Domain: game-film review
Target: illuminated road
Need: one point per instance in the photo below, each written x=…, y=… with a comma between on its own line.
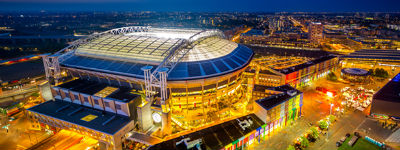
x=297, y=23
x=85, y=144
x=236, y=38
x=67, y=140
x=20, y=135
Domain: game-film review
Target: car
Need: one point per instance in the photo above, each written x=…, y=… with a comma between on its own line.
x=354, y=139
x=357, y=134
x=11, y=119
x=341, y=141
x=338, y=144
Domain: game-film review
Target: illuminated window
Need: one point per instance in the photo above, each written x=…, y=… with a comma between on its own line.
x=118, y=107
x=96, y=102
x=107, y=104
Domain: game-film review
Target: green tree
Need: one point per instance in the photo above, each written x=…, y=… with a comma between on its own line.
x=371, y=72
x=323, y=124
x=331, y=118
x=304, y=142
x=331, y=76
x=314, y=132
x=291, y=147
x=35, y=94
x=382, y=73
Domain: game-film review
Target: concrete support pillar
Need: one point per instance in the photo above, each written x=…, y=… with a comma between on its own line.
x=166, y=123
x=144, y=116
x=103, y=145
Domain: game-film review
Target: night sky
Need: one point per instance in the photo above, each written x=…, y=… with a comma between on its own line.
x=205, y=5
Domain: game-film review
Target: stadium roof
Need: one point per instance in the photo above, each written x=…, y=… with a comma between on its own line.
x=124, y=54
x=153, y=46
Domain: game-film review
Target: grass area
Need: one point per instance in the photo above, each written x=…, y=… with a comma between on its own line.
x=361, y=144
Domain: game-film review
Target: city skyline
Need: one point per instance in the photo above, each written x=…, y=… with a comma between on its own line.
x=215, y=75
x=203, y=6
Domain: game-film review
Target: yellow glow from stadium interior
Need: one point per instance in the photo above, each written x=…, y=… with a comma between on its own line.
x=174, y=35
x=106, y=91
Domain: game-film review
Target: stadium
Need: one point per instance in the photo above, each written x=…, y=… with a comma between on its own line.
x=187, y=78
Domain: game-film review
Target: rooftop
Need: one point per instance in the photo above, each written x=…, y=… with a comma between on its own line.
x=261, y=88
x=355, y=71
x=217, y=136
x=305, y=65
x=375, y=54
x=387, y=100
x=83, y=86
x=123, y=94
x=22, y=70
x=287, y=52
x=391, y=91
x=266, y=71
x=274, y=100
x=101, y=121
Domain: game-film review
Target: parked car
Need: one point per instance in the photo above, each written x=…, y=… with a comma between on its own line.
x=354, y=139
x=341, y=141
x=347, y=135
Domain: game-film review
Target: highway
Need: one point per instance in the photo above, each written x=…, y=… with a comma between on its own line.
x=236, y=37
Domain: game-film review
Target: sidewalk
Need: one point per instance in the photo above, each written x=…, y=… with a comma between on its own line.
x=345, y=124
x=283, y=138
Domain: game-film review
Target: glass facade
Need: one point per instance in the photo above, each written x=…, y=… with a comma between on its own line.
x=208, y=103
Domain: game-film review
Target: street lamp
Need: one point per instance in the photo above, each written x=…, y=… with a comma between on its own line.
x=329, y=121
x=329, y=94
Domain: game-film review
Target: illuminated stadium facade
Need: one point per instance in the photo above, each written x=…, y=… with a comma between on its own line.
x=187, y=79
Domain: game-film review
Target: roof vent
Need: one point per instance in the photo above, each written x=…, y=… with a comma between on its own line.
x=291, y=92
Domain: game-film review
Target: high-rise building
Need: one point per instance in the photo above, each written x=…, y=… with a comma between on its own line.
x=315, y=34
